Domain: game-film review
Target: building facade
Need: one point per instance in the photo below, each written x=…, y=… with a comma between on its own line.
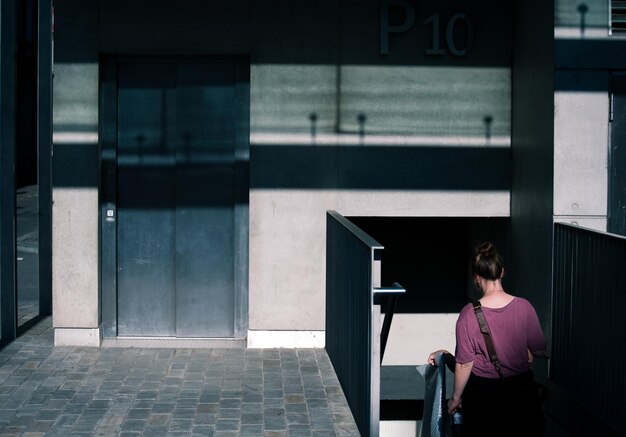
x=197, y=148
x=229, y=130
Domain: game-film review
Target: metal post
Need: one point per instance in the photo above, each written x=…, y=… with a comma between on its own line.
x=389, y=297
x=375, y=345
x=7, y=173
x=44, y=156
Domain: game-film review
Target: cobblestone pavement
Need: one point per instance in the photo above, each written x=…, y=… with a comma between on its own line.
x=72, y=391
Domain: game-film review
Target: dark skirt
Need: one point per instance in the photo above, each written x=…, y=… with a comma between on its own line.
x=508, y=407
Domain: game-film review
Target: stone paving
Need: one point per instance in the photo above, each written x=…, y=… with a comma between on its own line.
x=72, y=391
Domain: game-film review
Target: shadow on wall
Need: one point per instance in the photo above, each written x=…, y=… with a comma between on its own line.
x=381, y=167
x=582, y=10
x=325, y=32
x=580, y=20
x=410, y=119
x=311, y=104
x=75, y=165
x=327, y=167
x=590, y=53
x=362, y=120
x=329, y=55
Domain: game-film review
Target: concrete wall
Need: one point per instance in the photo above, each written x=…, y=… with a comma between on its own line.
x=414, y=109
x=334, y=125
x=584, y=64
x=75, y=175
x=584, y=58
x=581, y=135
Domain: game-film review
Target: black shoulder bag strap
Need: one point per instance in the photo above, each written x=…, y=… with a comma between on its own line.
x=484, y=329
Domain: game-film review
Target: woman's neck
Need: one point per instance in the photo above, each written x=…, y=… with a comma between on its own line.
x=492, y=288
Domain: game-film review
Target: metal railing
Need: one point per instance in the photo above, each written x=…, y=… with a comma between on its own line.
x=353, y=317
x=589, y=333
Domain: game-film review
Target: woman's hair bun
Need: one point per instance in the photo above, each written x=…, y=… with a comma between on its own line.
x=487, y=262
x=486, y=249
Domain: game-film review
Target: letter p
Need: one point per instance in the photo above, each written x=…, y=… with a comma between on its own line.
x=386, y=28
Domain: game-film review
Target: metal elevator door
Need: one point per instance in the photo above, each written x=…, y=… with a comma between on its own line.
x=175, y=199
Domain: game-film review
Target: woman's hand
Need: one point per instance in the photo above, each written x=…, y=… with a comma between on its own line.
x=432, y=358
x=453, y=404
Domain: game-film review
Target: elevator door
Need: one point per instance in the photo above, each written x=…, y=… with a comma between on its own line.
x=175, y=199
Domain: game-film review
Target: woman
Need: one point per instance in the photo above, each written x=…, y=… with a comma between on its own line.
x=492, y=403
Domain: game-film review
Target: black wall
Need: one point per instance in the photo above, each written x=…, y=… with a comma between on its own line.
x=532, y=133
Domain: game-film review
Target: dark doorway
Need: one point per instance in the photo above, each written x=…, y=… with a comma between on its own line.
x=178, y=185
x=430, y=257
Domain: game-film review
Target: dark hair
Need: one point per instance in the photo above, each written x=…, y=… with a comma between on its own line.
x=487, y=262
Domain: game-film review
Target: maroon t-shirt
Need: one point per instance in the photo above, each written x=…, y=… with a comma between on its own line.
x=514, y=329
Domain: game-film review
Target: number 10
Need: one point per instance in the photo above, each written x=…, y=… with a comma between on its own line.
x=436, y=49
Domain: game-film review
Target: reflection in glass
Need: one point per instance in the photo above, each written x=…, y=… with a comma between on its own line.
x=27, y=236
x=26, y=162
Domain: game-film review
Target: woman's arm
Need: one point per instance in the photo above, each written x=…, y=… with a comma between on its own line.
x=461, y=376
x=536, y=341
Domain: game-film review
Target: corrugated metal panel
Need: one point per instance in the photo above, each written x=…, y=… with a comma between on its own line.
x=350, y=273
x=588, y=321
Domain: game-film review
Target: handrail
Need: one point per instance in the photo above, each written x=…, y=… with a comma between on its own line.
x=395, y=290
x=355, y=342
x=586, y=385
x=355, y=230
x=592, y=231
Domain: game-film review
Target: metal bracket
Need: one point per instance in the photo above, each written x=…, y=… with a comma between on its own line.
x=388, y=296
x=382, y=292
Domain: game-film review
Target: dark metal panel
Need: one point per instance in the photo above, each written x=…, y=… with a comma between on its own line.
x=349, y=300
x=146, y=199
x=7, y=175
x=532, y=147
x=616, y=222
x=205, y=163
x=44, y=140
x=588, y=328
